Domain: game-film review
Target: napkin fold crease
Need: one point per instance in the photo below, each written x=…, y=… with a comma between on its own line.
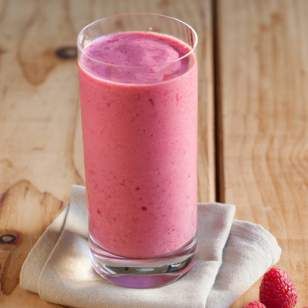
x=232, y=255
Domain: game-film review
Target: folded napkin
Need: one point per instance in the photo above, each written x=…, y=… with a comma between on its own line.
x=231, y=256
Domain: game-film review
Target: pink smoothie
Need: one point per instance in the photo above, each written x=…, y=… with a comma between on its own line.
x=139, y=115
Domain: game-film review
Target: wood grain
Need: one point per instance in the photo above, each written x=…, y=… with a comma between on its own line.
x=40, y=136
x=263, y=81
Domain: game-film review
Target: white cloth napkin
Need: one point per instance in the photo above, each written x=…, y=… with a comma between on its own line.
x=232, y=255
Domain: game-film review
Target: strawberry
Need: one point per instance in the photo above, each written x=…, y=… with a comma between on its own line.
x=277, y=290
x=254, y=304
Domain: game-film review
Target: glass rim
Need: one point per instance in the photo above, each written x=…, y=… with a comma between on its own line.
x=104, y=19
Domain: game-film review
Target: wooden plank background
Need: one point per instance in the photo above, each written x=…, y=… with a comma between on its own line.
x=264, y=114
x=252, y=141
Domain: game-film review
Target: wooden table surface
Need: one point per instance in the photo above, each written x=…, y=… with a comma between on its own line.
x=253, y=123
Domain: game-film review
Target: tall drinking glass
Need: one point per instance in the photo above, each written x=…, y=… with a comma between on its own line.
x=138, y=95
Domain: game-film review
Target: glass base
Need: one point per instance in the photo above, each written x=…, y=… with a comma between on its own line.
x=142, y=273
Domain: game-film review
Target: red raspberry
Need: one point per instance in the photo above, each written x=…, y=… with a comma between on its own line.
x=254, y=304
x=277, y=290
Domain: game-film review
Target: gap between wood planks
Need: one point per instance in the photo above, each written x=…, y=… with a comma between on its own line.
x=218, y=108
